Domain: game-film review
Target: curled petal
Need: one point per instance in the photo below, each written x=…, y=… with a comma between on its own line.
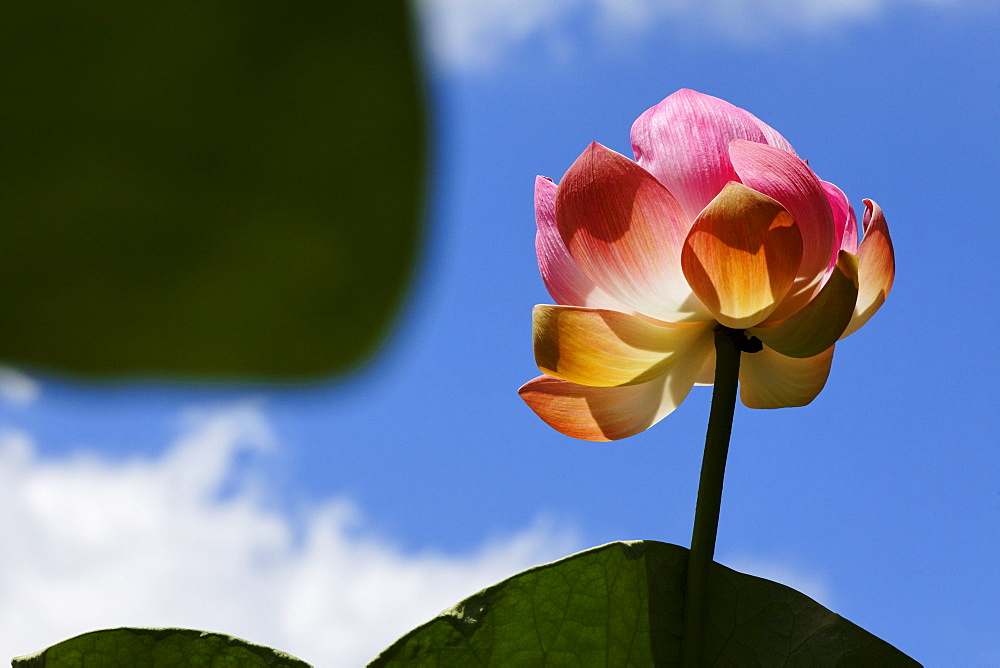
x=790, y=182
x=611, y=413
x=564, y=280
x=771, y=380
x=625, y=231
x=607, y=348
x=683, y=141
x=876, y=267
x=845, y=223
x=817, y=326
x=741, y=256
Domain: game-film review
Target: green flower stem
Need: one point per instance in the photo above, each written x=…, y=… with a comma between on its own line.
x=706, y=514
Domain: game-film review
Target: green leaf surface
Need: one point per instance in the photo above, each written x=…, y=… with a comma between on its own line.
x=207, y=190
x=621, y=605
x=157, y=648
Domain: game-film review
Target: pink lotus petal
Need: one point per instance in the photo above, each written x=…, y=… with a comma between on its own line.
x=845, y=222
x=683, y=141
x=789, y=180
x=625, y=231
x=771, y=135
x=564, y=280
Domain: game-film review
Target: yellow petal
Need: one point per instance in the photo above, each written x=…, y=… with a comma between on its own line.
x=741, y=256
x=817, y=325
x=771, y=380
x=607, y=348
x=611, y=413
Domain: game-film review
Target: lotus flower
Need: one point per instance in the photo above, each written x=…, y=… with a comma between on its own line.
x=716, y=222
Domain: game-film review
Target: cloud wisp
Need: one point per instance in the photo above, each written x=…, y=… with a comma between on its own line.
x=17, y=388
x=91, y=543
x=470, y=36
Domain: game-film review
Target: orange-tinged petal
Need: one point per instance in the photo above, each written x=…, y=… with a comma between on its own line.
x=606, y=348
x=817, y=325
x=771, y=380
x=876, y=267
x=611, y=413
x=741, y=256
x=625, y=231
x=593, y=413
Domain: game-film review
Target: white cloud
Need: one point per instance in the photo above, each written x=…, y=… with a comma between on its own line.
x=469, y=35
x=473, y=35
x=17, y=388
x=90, y=543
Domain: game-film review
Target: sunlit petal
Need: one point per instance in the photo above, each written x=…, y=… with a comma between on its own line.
x=611, y=413
x=790, y=182
x=683, y=141
x=607, y=348
x=818, y=325
x=565, y=281
x=625, y=231
x=876, y=267
x=771, y=380
x=741, y=256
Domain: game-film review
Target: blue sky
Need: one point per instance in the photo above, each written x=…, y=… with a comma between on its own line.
x=391, y=494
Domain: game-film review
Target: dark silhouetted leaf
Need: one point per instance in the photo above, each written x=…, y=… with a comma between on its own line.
x=621, y=605
x=157, y=648
x=206, y=189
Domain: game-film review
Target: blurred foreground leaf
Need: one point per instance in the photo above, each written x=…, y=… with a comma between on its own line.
x=207, y=189
x=620, y=605
x=157, y=648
